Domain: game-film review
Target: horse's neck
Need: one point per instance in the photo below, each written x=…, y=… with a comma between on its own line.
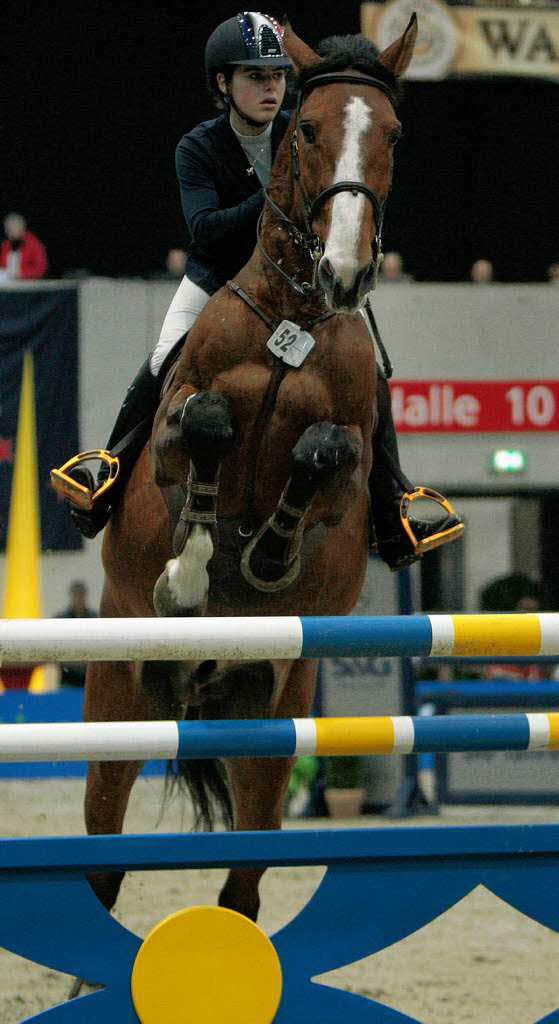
x=272, y=290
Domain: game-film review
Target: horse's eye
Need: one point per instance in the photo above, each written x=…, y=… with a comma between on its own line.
x=308, y=131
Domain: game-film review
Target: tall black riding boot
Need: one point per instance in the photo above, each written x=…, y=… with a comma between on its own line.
x=387, y=486
x=135, y=418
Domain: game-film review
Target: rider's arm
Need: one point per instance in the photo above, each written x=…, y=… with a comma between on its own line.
x=211, y=226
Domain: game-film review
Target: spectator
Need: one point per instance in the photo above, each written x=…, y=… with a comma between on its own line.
x=175, y=263
x=482, y=272
x=22, y=255
x=553, y=273
x=73, y=672
x=392, y=269
x=516, y=592
x=175, y=266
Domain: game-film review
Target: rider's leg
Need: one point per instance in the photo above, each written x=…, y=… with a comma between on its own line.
x=394, y=544
x=139, y=407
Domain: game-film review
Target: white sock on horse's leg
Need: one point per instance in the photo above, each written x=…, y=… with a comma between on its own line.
x=182, y=589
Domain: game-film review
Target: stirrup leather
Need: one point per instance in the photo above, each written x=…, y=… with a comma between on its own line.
x=77, y=493
x=436, y=539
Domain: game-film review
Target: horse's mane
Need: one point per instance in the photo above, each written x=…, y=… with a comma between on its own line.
x=357, y=52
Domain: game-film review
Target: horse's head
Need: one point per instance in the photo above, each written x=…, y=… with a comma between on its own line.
x=345, y=130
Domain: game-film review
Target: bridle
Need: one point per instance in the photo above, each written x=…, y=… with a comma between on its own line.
x=308, y=240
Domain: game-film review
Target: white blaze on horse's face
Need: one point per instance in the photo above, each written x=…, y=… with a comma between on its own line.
x=340, y=264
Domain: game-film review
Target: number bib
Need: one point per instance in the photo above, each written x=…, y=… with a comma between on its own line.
x=290, y=343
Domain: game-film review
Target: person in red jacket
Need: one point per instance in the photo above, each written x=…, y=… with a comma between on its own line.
x=22, y=255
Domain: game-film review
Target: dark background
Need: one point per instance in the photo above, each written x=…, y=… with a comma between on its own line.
x=103, y=91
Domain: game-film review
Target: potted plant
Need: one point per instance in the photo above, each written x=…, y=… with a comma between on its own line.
x=303, y=775
x=344, y=786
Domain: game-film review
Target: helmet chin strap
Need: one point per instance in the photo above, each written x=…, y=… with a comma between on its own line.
x=244, y=117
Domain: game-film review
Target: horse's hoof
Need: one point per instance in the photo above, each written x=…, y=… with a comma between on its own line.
x=268, y=575
x=170, y=602
x=271, y=560
x=182, y=588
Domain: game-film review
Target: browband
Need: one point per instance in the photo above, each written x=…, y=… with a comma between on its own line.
x=331, y=77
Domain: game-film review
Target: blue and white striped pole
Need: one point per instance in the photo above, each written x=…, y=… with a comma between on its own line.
x=124, y=741
x=253, y=638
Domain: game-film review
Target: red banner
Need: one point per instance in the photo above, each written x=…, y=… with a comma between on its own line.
x=475, y=406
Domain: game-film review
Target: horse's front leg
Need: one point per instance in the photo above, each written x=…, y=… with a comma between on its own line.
x=325, y=454
x=206, y=432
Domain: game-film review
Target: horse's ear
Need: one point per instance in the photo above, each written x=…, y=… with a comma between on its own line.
x=300, y=53
x=397, y=56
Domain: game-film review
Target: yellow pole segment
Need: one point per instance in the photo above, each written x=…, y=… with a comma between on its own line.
x=497, y=634
x=22, y=597
x=349, y=736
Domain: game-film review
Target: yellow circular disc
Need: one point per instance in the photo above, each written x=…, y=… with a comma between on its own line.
x=206, y=965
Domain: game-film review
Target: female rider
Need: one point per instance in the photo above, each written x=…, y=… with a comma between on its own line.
x=223, y=166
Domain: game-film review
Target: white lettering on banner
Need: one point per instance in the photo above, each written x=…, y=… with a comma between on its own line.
x=466, y=410
x=439, y=408
x=490, y=406
x=535, y=406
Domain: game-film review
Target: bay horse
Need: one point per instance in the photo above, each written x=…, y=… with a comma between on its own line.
x=252, y=497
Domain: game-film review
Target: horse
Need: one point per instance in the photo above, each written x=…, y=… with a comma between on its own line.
x=251, y=497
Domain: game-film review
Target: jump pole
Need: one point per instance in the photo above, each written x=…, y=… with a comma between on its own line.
x=251, y=638
x=292, y=737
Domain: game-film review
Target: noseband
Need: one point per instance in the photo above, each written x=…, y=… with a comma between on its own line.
x=308, y=239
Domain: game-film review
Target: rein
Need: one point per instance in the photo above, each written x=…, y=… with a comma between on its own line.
x=308, y=240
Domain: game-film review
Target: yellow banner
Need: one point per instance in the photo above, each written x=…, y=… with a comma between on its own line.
x=469, y=40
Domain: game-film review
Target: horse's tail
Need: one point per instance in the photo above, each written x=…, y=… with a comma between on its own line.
x=205, y=781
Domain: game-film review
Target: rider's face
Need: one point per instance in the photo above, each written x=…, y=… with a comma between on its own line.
x=258, y=92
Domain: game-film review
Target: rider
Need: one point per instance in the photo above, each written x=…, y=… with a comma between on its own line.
x=223, y=166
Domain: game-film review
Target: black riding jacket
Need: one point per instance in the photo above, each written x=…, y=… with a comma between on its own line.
x=221, y=199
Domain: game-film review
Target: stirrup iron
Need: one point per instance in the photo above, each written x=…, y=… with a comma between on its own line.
x=436, y=539
x=80, y=495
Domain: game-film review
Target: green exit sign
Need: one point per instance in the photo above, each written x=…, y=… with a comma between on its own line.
x=508, y=460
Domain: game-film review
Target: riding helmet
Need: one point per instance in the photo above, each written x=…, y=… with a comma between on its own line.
x=249, y=38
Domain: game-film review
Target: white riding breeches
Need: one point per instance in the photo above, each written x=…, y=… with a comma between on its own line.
x=188, y=302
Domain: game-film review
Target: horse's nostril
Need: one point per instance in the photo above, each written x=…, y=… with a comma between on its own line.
x=366, y=280
x=325, y=273
x=339, y=295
